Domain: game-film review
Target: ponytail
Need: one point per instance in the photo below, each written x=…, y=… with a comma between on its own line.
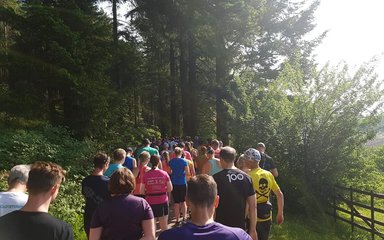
x=154, y=161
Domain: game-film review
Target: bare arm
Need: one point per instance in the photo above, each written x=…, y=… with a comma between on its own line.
x=206, y=168
x=169, y=186
x=251, y=200
x=186, y=169
x=95, y=233
x=136, y=171
x=134, y=163
x=148, y=229
x=274, y=172
x=280, y=206
x=142, y=189
x=193, y=173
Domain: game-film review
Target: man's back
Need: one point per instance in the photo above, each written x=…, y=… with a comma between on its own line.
x=20, y=225
x=152, y=151
x=266, y=162
x=234, y=187
x=11, y=201
x=210, y=231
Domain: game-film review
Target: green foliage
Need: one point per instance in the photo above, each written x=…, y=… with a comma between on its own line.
x=68, y=205
x=313, y=127
x=366, y=172
x=21, y=146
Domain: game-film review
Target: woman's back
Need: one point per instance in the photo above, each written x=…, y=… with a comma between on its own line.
x=215, y=166
x=121, y=217
x=155, y=182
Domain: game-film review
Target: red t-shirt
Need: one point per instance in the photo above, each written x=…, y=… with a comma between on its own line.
x=155, y=182
x=139, y=178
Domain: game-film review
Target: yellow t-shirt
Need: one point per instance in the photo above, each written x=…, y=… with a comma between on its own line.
x=263, y=183
x=191, y=170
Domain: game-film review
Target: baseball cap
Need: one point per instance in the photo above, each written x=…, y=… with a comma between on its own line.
x=260, y=144
x=252, y=154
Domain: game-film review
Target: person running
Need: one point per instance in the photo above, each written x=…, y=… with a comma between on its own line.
x=140, y=171
x=15, y=197
x=202, y=199
x=146, y=147
x=236, y=191
x=165, y=162
x=179, y=168
x=264, y=183
x=123, y=216
x=95, y=188
x=191, y=167
x=215, y=144
x=266, y=161
x=201, y=158
x=165, y=148
x=155, y=186
x=33, y=222
x=212, y=166
x=118, y=160
x=187, y=155
x=242, y=164
x=129, y=161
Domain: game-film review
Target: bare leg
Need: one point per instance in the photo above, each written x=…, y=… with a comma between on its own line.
x=163, y=222
x=183, y=206
x=176, y=207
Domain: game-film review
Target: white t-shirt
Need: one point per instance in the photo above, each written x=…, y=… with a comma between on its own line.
x=11, y=201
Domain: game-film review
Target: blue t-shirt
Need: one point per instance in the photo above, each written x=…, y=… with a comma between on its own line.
x=128, y=163
x=178, y=171
x=112, y=168
x=208, y=232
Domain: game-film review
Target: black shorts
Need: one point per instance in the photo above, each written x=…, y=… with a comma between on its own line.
x=160, y=210
x=179, y=192
x=263, y=229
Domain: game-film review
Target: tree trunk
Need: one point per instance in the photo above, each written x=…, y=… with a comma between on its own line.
x=192, y=87
x=172, y=65
x=115, y=68
x=184, y=83
x=162, y=111
x=221, y=74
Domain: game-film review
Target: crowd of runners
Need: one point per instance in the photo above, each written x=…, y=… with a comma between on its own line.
x=214, y=192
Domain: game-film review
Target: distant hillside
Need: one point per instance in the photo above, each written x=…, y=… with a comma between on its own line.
x=377, y=141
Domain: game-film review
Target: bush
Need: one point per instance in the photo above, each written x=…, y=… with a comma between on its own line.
x=55, y=144
x=68, y=205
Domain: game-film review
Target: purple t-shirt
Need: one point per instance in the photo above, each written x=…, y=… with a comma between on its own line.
x=121, y=217
x=208, y=232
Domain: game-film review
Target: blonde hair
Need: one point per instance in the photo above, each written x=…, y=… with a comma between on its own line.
x=241, y=162
x=144, y=157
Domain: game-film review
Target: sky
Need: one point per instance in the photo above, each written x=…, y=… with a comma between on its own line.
x=356, y=32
